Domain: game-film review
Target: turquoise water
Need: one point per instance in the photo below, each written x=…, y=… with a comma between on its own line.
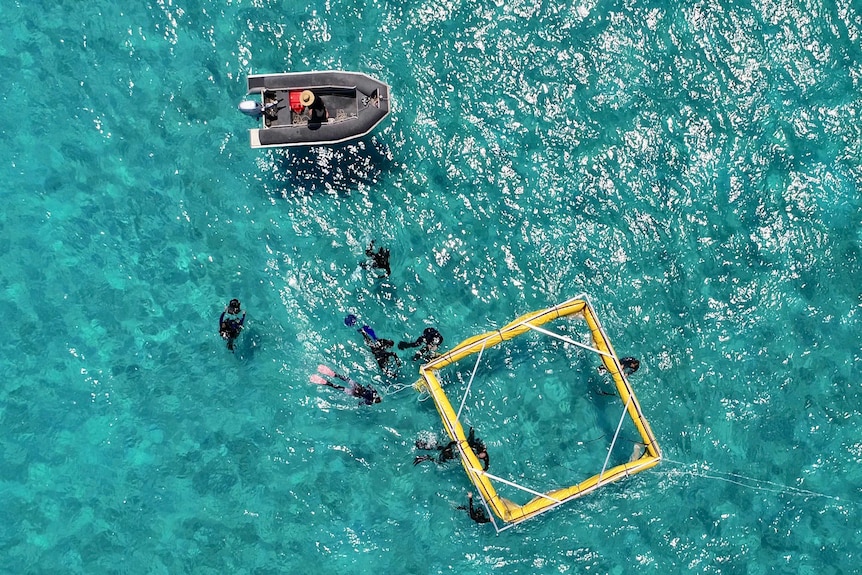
x=693, y=167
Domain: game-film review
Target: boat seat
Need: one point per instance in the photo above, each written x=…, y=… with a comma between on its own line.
x=295, y=104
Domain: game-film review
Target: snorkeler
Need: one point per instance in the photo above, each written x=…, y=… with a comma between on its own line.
x=477, y=514
x=379, y=347
x=429, y=341
x=379, y=260
x=230, y=323
x=629, y=365
x=368, y=395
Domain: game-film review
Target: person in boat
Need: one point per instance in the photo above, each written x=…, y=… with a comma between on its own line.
x=316, y=110
x=477, y=514
x=367, y=394
x=629, y=365
x=379, y=346
x=379, y=260
x=427, y=343
x=231, y=322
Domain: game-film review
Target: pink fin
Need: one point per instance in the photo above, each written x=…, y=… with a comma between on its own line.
x=317, y=379
x=325, y=370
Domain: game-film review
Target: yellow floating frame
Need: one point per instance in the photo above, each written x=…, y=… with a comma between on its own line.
x=504, y=509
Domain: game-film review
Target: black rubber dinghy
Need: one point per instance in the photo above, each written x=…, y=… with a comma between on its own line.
x=314, y=108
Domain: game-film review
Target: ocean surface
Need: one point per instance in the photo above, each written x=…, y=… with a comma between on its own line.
x=693, y=167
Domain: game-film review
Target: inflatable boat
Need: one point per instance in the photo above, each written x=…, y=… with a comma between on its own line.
x=313, y=108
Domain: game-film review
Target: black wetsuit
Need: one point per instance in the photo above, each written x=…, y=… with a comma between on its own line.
x=379, y=259
x=230, y=328
x=477, y=514
x=380, y=350
x=366, y=394
x=447, y=452
x=429, y=341
x=479, y=447
x=317, y=111
x=630, y=365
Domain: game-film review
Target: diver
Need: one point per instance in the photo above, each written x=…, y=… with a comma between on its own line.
x=380, y=350
x=368, y=395
x=477, y=514
x=231, y=322
x=429, y=341
x=629, y=365
x=379, y=346
x=447, y=452
x=379, y=260
x=478, y=447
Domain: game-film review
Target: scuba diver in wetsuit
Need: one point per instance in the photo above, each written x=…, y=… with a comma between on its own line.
x=478, y=447
x=231, y=322
x=429, y=341
x=477, y=514
x=629, y=365
x=379, y=260
x=448, y=452
x=379, y=347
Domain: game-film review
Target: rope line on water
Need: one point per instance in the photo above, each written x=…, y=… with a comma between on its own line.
x=394, y=388
x=614, y=440
x=470, y=383
x=705, y=471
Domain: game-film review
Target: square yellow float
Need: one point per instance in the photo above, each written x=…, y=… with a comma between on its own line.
x=509, y=512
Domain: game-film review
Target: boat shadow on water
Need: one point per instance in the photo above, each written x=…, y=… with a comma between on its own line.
x=338, y=169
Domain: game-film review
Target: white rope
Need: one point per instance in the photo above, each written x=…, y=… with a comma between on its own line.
x=521, y=487
x=470, y=383
x=501, y=529
x=555, y=502
x=565, y=339
x=488, y=513
x=614, y=440
x=758, y=484
x=580, y=296
x=395, y=388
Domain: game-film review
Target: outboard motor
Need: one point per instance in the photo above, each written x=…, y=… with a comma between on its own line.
x=251, y=108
